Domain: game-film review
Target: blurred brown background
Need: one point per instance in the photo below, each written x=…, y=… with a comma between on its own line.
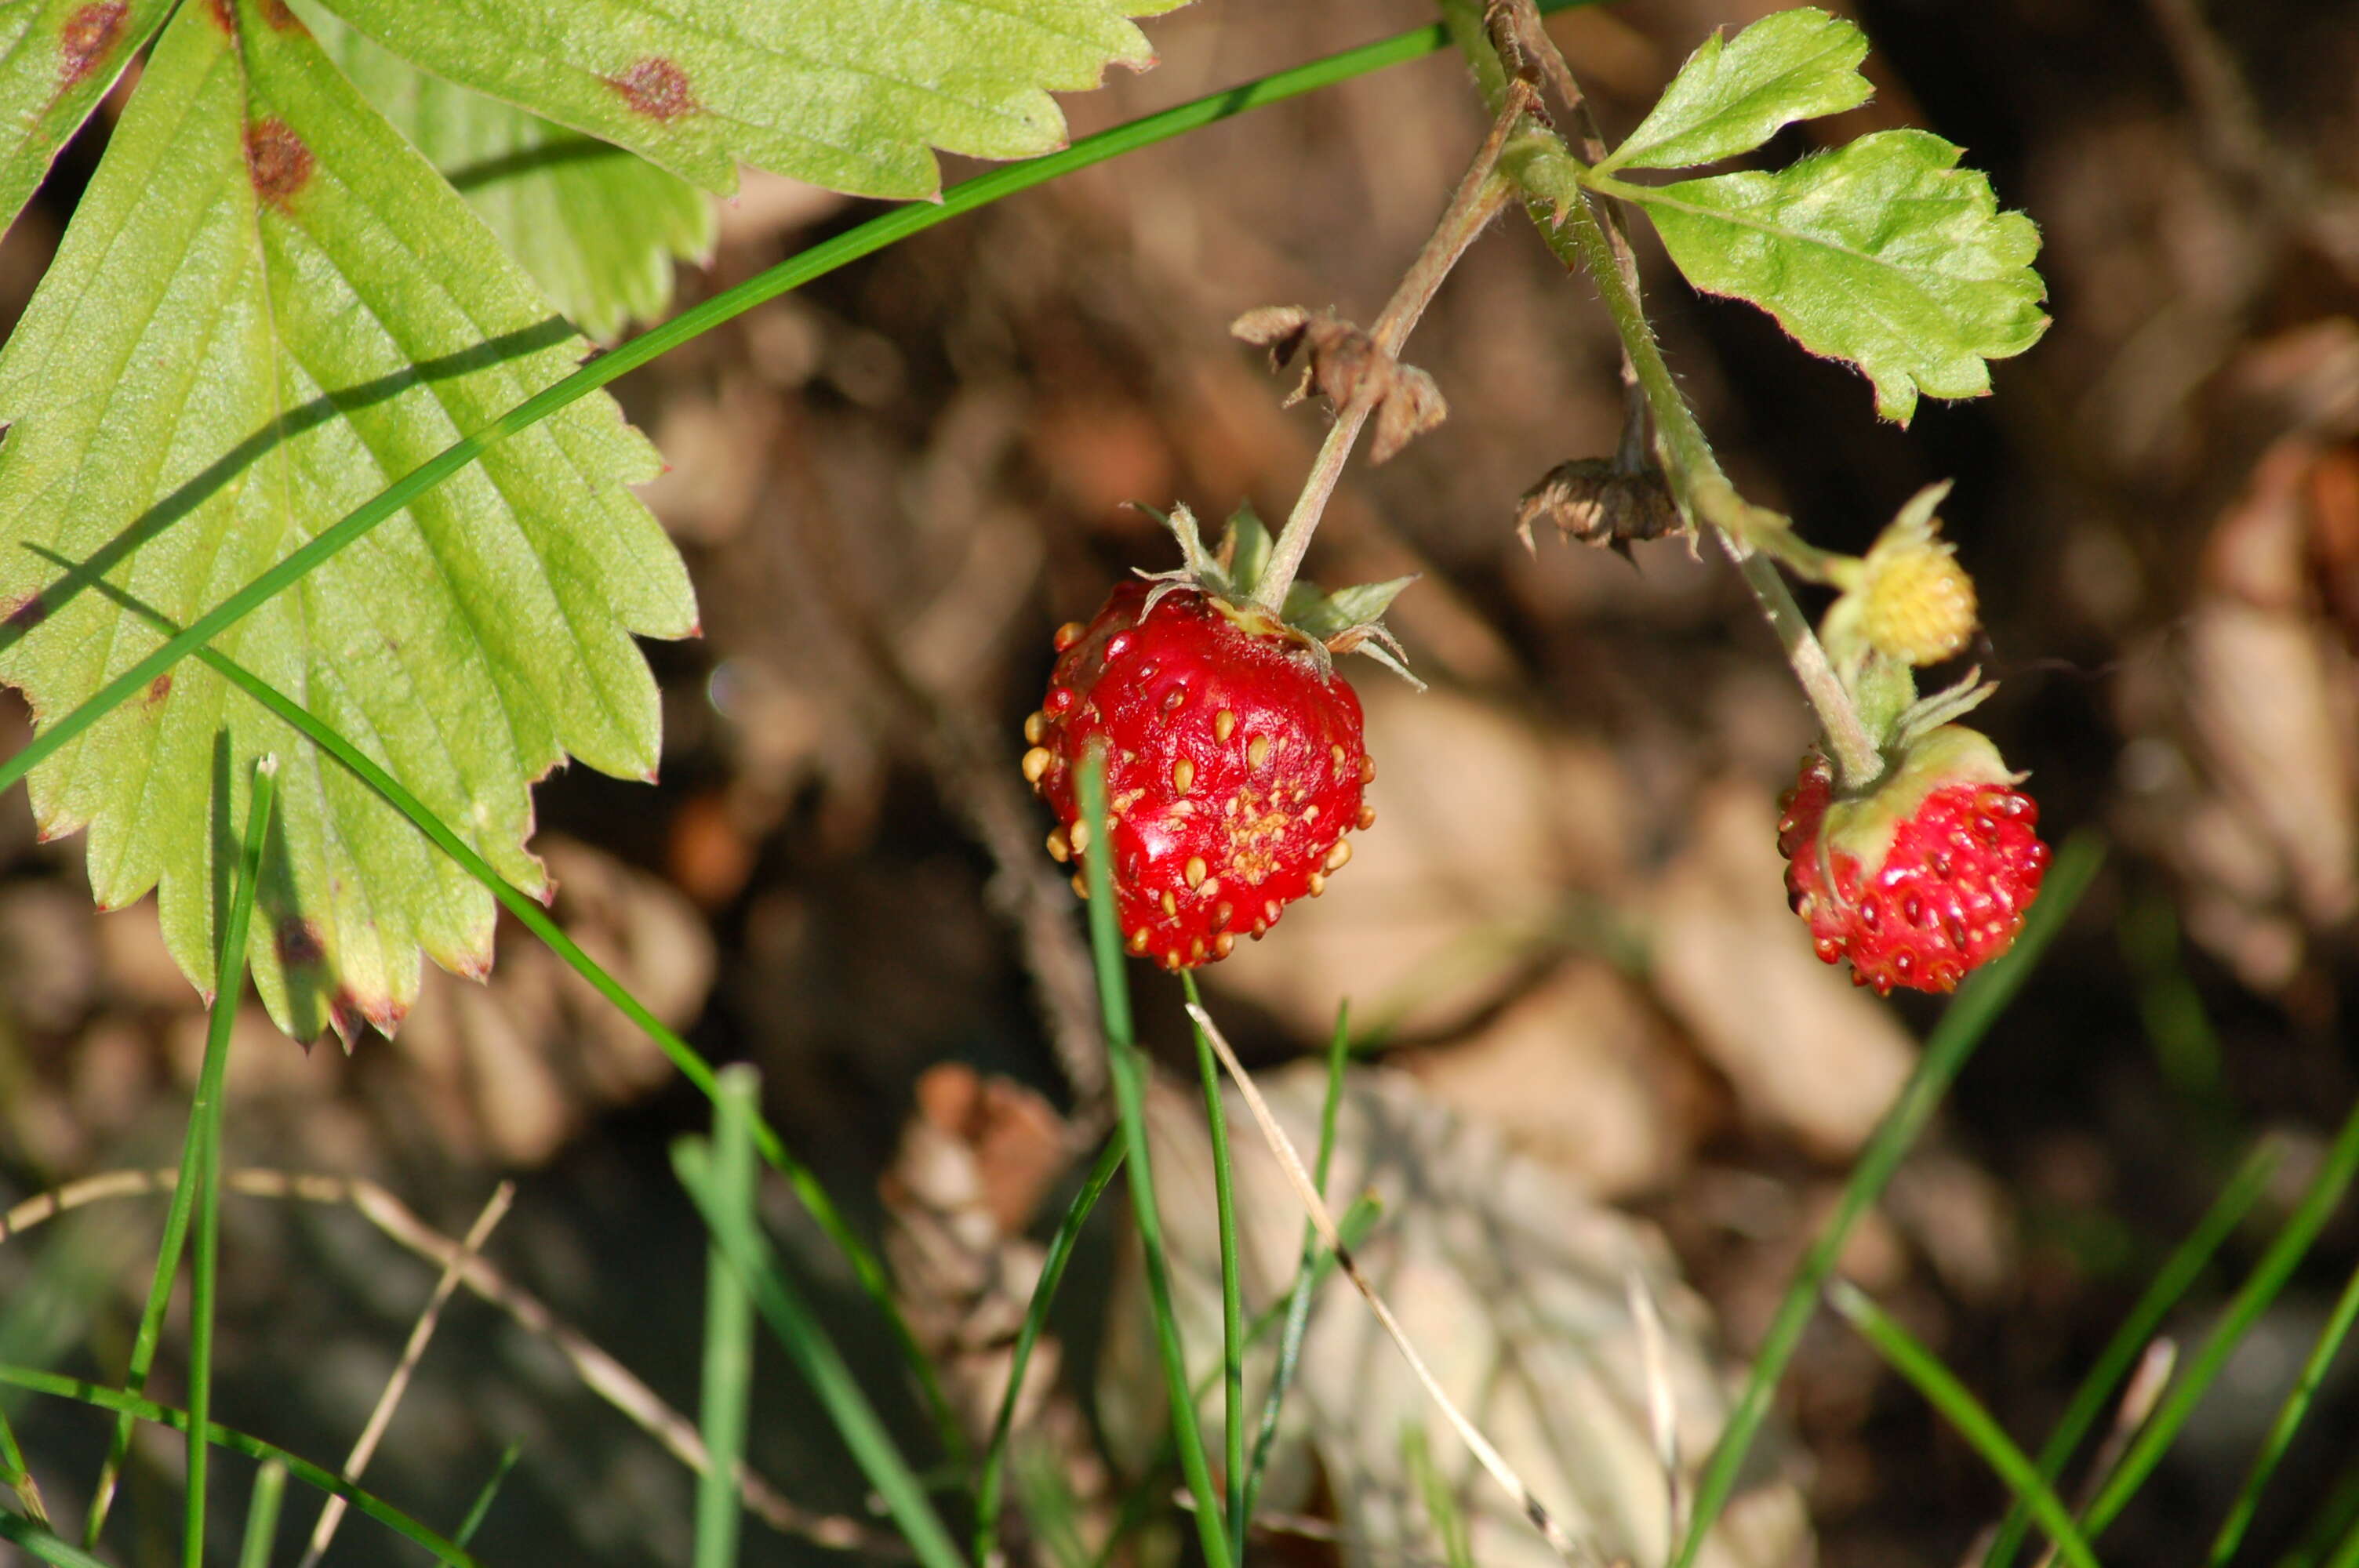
x=893, y=484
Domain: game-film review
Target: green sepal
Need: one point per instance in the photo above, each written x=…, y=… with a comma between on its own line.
x=1325, y=615
x=1861, y=825
x=1245, y=550
x=1348, y=621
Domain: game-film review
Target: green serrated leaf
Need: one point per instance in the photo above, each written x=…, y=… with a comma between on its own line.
x=845, y=93
x=1731, y=97
x=1882, y=253
x=58, y=57
x=597, y=226
x=267, y=306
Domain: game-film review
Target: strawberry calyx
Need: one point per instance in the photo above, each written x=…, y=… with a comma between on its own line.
x=1860, y=828
x=1347, y=621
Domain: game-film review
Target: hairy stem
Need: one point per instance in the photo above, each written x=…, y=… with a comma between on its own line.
x=1752, y=535
x=1478, y=198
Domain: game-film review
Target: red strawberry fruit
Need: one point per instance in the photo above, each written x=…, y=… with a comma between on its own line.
x=1922, y=879
x=1234, y=764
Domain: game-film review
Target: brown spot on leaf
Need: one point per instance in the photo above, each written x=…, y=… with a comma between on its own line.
x=298, y=942
x=656, y=88
x=224, y=15
x=159, y=688
x=277, y=162
x=27, y=613
x=345, y=1016
x=281, y=18
x=89, y=35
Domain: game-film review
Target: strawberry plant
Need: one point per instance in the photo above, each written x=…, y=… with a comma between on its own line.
x=318, y=553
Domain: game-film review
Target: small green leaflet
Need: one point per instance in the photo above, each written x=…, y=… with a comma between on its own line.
x=266, y=307
x=596, y=226
x=1729, y=98
x=1883, y=252
x=845, y=93
x=58, y=57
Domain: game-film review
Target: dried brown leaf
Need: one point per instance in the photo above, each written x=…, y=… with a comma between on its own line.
x=1344, y=364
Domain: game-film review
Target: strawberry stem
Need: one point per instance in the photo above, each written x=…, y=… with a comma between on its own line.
x=1754, y=536
x=1478, y=198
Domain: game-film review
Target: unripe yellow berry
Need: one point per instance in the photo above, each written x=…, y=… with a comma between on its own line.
x=1916, y=603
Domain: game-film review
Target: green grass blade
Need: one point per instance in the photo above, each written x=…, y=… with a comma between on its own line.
x=807, y=1342
x=261, y=1515
x=728, y=1326
x=205, y=1132
x=1355, y=1224
x=1232, y=1301
x=2267, y=1277
x=1052, y=1514
x=1978, y=1005
x=19, y=1476
x=2346, y=1544
x=1035, y=1318
x=168, y=1258
x=1307, y=1271
x=1129, y=1069
x=137, y=1408
x=2288, y=1421
x=481, y=1506
x=43, y=1545
x=1442, y=1510
x=1903, y=1352
x=2336, y=1517
x=2177, y=1276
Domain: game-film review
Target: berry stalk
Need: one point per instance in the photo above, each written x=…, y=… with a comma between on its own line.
x=1558, y=199
x=1478, y=198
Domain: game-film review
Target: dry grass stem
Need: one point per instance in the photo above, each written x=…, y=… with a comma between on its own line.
x=1488, y=1456
x=601, y=1373
x=332, y=1514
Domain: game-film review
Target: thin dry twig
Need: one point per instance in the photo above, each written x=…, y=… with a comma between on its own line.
x=1488, y=1456
x=1480, y=196
x=601, y=1373
x=332, y=1513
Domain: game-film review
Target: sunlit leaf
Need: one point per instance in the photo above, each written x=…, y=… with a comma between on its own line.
x=597, y=227
x=268, y=306
x=1731, y=97
x=58, y=57
x=1883, y=252
x=845, y=93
